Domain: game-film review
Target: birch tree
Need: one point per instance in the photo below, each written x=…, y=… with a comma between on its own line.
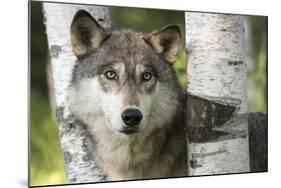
x=75, y=142
x=216, y=94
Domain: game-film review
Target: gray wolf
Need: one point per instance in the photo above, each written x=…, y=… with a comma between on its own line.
x=125, y=89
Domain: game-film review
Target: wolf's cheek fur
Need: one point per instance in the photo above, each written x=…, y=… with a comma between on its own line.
x=145, y=102
x=89, y=101
x=85, y=99
x=112, y=108
x=164, y=106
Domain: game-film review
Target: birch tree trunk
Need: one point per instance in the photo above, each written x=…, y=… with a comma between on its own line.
x=75, y=141
x=216, y=94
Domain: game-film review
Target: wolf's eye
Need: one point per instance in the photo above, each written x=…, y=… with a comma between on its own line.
x=146, y=76
x=110, y=75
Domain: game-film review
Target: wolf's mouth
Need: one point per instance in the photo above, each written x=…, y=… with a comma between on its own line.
x=128, y=131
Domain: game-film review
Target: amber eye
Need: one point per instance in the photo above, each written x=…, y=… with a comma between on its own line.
x=111, y=75
x=146, y=76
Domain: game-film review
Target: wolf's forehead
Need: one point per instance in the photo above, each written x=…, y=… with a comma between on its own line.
x=125, y=68
x=128, y=38
x=128, y=46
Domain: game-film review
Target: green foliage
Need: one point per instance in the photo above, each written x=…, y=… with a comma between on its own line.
x=180, y=68
x=257, y=77
x=145, y=19
x=46, y=159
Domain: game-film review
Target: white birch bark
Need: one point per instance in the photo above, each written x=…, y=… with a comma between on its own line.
x=74, y=139
x=217, y=72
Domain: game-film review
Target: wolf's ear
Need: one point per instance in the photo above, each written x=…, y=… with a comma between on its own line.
x=86, y=34
x=166, y=42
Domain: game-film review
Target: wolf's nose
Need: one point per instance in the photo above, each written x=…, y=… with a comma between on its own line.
x=131, y=117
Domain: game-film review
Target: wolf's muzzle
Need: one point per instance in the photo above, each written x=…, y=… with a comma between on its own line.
x=131, y=117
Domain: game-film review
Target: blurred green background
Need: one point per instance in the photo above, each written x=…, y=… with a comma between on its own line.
x=46, y=159
x=46, y=165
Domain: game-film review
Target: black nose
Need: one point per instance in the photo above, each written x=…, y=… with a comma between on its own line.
x=131, y=117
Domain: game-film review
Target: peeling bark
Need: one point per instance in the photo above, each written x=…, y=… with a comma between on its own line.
x=216, y=99
x=76, y=144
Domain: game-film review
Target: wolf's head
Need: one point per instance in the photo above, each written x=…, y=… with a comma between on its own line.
x=124, y=77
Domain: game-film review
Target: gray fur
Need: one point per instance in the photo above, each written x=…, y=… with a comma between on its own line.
x=127, y=45
x=159, y=149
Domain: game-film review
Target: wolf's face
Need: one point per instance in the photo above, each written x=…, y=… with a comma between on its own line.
x=123, y=77
x=127, y=94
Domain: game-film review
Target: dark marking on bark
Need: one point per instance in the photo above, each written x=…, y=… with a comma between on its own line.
x=55, y=50
x=71, y=124
x=68, y=124
x=194, y=163
x=86, y=157
x=74, y=179
x=203, y=134
x=232, y=125
x=88, y=146
x=67, y=157
x=237, y=69
x=234, y=63
x=235, y=41
x=203, y=115
x=188, y=51
x=59, y=114
x=100, y=20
